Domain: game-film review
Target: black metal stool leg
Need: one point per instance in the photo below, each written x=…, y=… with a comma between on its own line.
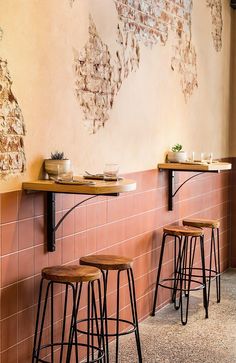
x=63, y=324
x=42, y=322
x=178, y=272
x=101, y=340
x=37, y=320
x=205, y=301
x=218, y=266
x=104, y=313
x=158, y=274
x=73, y=327
x=188, y=275
x=134, y=311
x=117, y=315
x=52, y=322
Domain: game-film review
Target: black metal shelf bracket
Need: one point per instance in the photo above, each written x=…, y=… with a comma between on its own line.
x=171, y=182
x=51, y=217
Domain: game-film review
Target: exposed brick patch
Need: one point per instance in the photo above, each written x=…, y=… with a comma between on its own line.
x=12, y=129
x=217, y=22
x=151, y=21
x=185, y=62
x=99, y=77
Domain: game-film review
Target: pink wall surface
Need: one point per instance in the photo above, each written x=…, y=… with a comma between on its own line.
x=129, y=225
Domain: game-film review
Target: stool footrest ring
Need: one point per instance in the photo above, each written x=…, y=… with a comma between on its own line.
x=183, y=289
x=98, y=350
x=109, y=334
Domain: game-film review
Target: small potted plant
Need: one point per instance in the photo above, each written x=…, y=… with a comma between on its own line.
x=58, y=164
x=176, y=155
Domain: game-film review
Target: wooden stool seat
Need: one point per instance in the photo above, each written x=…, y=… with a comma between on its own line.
x=202, y=223
x=107, y=262
x=71, y=273
x=176, y=230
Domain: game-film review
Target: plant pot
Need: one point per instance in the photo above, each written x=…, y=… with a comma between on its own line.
x=176, y=157
x=56, y=167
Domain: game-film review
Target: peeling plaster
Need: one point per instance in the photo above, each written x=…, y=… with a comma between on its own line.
x=99, y=76
x=151, y=21
x=12, y=129
x=217, y=22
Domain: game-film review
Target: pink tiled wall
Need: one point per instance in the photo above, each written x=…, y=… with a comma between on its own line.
x=130, y=225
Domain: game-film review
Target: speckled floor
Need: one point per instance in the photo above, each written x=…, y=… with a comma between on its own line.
x=212, y=340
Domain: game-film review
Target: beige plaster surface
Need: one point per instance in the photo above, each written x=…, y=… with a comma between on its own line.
x=149, y=113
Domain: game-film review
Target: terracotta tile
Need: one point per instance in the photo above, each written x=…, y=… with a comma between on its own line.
x=68, y=201
x=25, y=294
x=68, y=225
x=25, y=351
x=80, y=244
x=116, y=209
x=115, y=232
x=55, y=258
x=9, y=207
x=9, y=332
x=41, y=258
x=9, y=301
x=148, y=180
x=26, y=233
x=39, y=231
x=96, y=214
x=39, y=204
x=26, y=205
x=26, y=263
x=101, y=237
x=26, y=330
x=10, y=355
x=91, y=241
x=9, y=269
x=80, y=219
x=68, y=249
x=59, y=197
x=9, y=238
x=0, y=239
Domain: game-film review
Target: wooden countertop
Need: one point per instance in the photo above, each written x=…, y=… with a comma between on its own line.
x=99, y=187
x=196, y=166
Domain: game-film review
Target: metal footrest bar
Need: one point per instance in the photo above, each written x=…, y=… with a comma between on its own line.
x=45, y=346
x=179, y=289
x=109, y=334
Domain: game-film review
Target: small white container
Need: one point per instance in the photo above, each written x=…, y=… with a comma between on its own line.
x=56, y=167
x=176, y=157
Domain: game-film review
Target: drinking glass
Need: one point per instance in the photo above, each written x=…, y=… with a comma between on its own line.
x=111, y=172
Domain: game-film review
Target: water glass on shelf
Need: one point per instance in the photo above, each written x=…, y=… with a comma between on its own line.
x=111, y=172
x=64, y=175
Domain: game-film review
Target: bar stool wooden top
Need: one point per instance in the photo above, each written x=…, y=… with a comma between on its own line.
x=176, y=230
x=71, y=273
x=202, y=223
x=107, y=262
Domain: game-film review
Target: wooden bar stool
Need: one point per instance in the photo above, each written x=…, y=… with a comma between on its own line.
x=116, y=263
x=212, y=272
x=73, y=277
x=185, y=240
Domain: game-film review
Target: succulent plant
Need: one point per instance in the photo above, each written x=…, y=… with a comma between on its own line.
x=177, y=148
x=57, y=155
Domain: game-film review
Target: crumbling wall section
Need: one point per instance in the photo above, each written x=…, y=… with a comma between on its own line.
x=12, y=129
x=217, y=22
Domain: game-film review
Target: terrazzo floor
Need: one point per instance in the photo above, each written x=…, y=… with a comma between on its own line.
x=164, y=339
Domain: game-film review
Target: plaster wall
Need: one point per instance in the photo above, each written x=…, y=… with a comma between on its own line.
x=149, y=112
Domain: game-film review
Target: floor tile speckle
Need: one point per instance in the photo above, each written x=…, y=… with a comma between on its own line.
x=165, y=340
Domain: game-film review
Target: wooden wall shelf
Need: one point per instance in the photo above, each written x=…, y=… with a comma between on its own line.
x=99, y=187
x=197, y=167
x=50, y=187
